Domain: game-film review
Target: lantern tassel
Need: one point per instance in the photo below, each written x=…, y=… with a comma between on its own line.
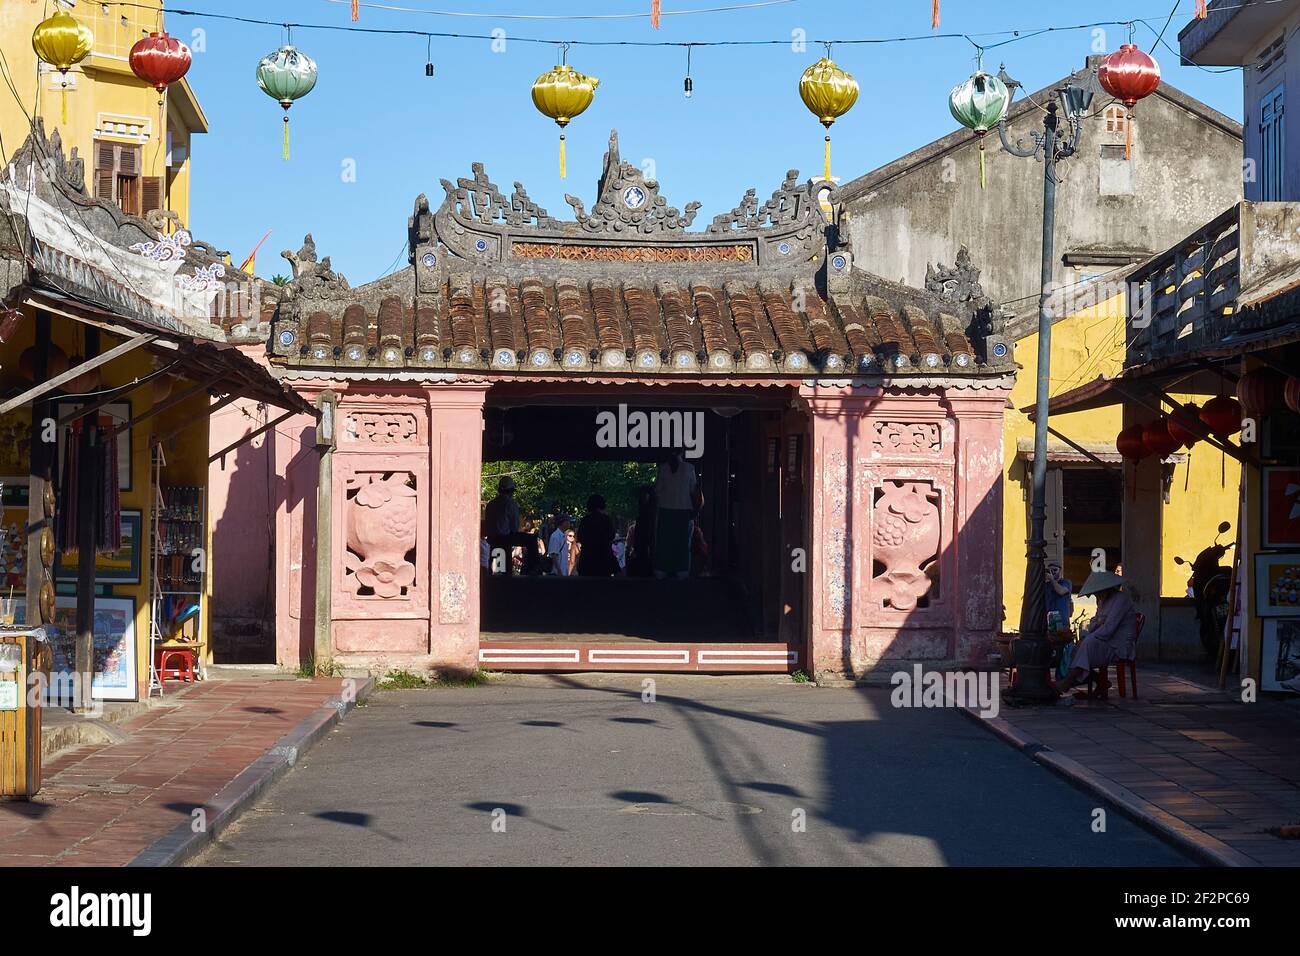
x=562, y=169
x=934, y=15
x=827, y=163
x=1201, y=10
x=356, y=10
x=982, y=180
x=64, y=98
x=286, y=137
x=1128, y=135
x=654, y=13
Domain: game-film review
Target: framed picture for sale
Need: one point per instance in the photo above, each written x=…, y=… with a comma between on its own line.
x=1280, y=655
x=1280, y=510
x=1277, y=585
x=118, y=567
x=115, y=666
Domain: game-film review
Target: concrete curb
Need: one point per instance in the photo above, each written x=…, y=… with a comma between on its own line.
x=182, y=843
x=1142, y=812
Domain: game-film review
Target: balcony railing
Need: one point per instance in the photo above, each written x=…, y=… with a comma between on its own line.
x=1188, y=298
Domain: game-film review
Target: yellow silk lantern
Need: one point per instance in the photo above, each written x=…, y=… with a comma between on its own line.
x=62, y=41
x=829, y=93
x=562, y=93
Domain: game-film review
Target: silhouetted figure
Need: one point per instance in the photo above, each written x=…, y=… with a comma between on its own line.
x=596, y=538
x=641, y=535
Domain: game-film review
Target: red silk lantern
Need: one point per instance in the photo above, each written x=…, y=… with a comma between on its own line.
x=1130, y=445
x=1184, y=437
x=160, y=59
x=1158, y=440
x=1222, y=415
x=1129, y=74
x=1292, y=393
x=1261, y=392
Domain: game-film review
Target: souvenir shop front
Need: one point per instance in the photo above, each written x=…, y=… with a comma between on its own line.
x=110, y=368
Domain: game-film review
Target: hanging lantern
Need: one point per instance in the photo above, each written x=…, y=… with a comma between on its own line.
x=160, y=59
x=286, y=75
x=1184, y=437
x=56, y=362
x=1261, y=392
x=562, y=93
x=829, y=93
x=1222, y=415
x=1158, y=440
x=1130, y=445
x=979, y=104
x=62, y=41
x=1129, y=75
x=84, y=383
x=1292, y=394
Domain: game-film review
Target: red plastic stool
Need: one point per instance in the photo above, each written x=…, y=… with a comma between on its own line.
x=176, y=663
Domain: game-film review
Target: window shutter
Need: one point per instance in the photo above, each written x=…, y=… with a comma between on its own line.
x=104, y=180
x=105, y=156
x=128, y=161
x=151, y=194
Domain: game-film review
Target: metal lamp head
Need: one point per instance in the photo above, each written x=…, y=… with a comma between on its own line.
x=1075, y=100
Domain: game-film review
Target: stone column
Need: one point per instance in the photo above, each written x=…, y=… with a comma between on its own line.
x=455, y=469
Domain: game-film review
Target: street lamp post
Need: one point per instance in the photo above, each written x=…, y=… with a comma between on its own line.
x=1031, y=652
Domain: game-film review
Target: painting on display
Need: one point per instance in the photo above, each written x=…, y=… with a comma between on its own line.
x=1280, y=514
x=15, y=442
x=13, y=535
x=115, y=651
x=1280, y=655
x=117, y=567
x=114, y=414
x=1277, y=585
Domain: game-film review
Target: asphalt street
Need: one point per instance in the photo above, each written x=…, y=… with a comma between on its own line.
x=563, y=770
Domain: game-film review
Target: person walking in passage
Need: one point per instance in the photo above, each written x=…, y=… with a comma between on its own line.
x=558, y=548
x=596, y=541
x=677, y=492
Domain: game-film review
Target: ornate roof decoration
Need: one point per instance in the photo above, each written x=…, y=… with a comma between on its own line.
x=499, y=288
x=960, y=284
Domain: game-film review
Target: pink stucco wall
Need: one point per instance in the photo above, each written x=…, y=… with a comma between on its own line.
x=940, y=455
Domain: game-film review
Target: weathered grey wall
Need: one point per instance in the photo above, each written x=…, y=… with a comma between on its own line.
x=923, y=207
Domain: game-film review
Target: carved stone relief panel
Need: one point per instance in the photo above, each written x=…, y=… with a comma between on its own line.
x=381, y=514
x=906, y=438
x=906, y=525
x=380, y=428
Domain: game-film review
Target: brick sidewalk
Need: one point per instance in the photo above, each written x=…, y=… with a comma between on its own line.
x=1228, y=769
x=103, y=804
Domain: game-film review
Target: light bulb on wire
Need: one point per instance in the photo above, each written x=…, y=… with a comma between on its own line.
x=688, y=87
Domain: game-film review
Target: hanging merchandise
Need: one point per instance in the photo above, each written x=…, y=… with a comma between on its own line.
x=979, y=104
x=109, y=538
x=1182, y=435
x=65, y=522
x=160, y=59
x=1130, y=445
x=1129, y=75
x=1261, y=392
x=62, y=41
x=1222, y=415
x=1158, y=439
x=286, y=75
x=829, y=93
x=562, y=93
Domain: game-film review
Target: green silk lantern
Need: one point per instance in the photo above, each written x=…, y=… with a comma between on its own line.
x=979, y=104
x=286, y=75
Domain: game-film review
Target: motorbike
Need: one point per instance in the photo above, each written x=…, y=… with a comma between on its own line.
x=1209, y=584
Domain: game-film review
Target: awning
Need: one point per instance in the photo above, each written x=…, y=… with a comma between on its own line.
x=220, y=367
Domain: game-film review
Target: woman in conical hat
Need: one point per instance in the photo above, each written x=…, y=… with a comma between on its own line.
x=1111, y=634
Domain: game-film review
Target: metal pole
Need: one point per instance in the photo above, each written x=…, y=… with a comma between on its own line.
x=323, y=638
x=1033, y=653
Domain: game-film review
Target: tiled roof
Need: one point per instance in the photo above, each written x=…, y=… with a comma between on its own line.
x=577, y=325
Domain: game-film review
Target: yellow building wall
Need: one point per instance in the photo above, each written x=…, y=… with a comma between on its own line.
x=105, y=100
x=1204, y=489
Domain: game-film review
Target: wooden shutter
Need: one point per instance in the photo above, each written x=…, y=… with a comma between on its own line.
x=128, y=160
x=105, y=170
x=151, y=194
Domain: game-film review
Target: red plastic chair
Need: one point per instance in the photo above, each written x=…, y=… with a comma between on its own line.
x=1130, y=665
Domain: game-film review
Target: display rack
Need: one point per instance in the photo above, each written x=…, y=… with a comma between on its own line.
x=176, y=529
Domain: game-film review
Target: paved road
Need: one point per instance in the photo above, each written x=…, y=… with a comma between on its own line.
x=716, y=771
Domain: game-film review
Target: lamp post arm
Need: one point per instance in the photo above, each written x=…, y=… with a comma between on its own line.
x=1018, y=148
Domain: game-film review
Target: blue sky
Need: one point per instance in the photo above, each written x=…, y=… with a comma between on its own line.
x=745, y=125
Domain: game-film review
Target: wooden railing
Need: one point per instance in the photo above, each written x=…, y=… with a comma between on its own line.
x=1185, y=299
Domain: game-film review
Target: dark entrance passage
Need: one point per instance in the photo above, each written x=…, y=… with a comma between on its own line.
x=737, y=605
